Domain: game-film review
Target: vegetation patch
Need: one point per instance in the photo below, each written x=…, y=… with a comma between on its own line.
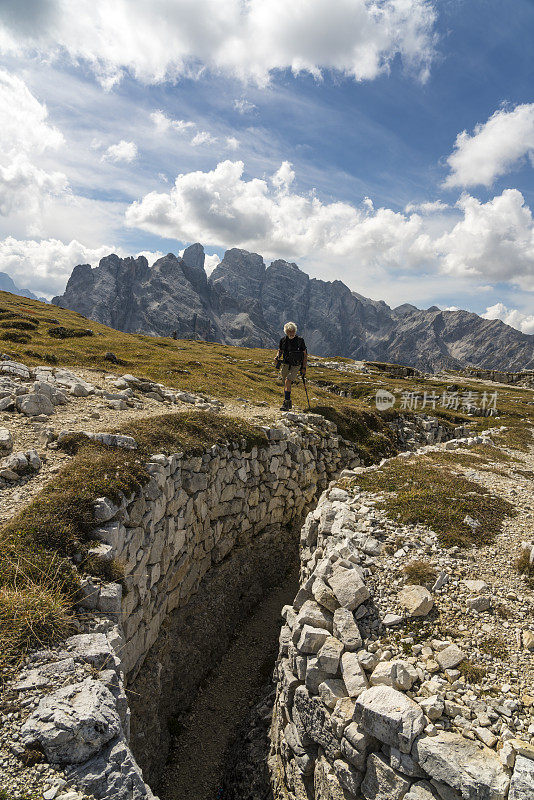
x=366, y=429
x=433, y=495
x=60, y=332
x=473, y=673
x=15, y=336
x=420, y=573
x=19, y=324
x=38, y=582
x=524, y=567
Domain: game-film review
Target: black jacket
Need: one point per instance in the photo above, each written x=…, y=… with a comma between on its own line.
x=292, y=350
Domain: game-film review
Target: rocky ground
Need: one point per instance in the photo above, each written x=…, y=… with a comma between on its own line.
x=56, y=400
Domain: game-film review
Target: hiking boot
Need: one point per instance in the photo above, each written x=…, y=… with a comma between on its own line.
x=286, y=405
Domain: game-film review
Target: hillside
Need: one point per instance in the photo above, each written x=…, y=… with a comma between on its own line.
x=245, y=303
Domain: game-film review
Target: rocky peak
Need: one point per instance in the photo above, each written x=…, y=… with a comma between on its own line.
x=240, y=272
x=193, y=267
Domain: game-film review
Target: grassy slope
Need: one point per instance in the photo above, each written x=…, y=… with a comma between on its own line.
x=37, y=580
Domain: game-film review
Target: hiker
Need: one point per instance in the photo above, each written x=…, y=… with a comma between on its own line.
x=293, y=357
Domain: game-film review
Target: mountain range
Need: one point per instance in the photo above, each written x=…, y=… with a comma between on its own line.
x=246, y=303
x=7, y=284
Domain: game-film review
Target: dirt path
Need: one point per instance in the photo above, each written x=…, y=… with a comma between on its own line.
x=197, y=757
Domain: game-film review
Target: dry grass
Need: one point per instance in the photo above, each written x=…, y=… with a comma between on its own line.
x=524, y=567
x=420, y=573
x=38, y=546
x=473, y=673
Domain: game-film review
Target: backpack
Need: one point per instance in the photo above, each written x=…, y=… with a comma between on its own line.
x=293, y=350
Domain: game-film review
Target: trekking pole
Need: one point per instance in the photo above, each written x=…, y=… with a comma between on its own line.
x=305, y=389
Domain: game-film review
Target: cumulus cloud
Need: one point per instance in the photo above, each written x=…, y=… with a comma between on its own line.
x=232, y=143
x=203, y=137
x=45, y=265
x=494, y=240
x=210, y=262
x=164, y=123
x=495, y=147
x=25, y=134
x=122, y=151
x=221, y=208
x=511, y=316
x=427, y=208
x=163, y=41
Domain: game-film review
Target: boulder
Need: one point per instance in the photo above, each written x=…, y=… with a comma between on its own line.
x=6, y=441
x=311, y=639
x=399, y=674
x=353, y=674
x=522, y=784
x=326, y=784
x=316, y=722
x=417, y=600
x=35, y=404
x=475, y=772
x=329, y=655
x=450, y=657
x=421, y=790
x=346, y=630
x=389, y=716
x=348, y=587
x=74, y=723
x=381, y=782
x=113, y=773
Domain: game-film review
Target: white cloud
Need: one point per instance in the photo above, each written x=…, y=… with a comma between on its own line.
x=232, y=143
x=221, y=208
x=495, y=147
x=511, y=316
x=122, y=151
x=25, y=135
x=45, y=266
x=210, y=262
x=164, y=123
x=203, y=137
x=166, y=40
x=243, y=106
x=427, y=208
x=475, y=241
x=494, y=240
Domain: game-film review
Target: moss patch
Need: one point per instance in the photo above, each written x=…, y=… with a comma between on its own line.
x=421, y=492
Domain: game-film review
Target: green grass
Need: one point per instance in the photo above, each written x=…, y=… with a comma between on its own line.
x=422, y=492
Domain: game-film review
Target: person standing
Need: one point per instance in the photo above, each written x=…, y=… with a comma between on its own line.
x=293, y=356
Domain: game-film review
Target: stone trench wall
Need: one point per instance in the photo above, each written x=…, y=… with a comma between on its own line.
x=351, y=721
x=194, y=539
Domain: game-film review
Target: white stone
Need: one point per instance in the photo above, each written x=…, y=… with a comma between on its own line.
x=389, y=716
x=348, y=587
x=476, y=772
x=73, y=723
x=417, y=600
x=353, y=674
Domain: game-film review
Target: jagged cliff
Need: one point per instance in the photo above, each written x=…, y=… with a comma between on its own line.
x=245, y=303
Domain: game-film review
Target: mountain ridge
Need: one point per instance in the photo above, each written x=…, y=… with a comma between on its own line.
x=244, y=302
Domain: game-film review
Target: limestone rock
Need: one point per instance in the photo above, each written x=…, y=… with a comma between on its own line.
x=113, y=773
x=326, y=784
x=450, y=657
x=348, y=587
x=421, y=790
x=381, y=782
x=329, y=655
x=389, y=716
x=522, y=784
x=73, y=723
x=353, y=674
x=6, y=440
x=346, y=629
x=397, y=673
x=417, y=600
x=32, y=405
x=459, y=763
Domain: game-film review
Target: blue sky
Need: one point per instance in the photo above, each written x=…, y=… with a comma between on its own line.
x=321, y=132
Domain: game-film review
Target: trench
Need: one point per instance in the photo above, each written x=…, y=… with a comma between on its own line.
x=219, y=727
x=200, y=703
